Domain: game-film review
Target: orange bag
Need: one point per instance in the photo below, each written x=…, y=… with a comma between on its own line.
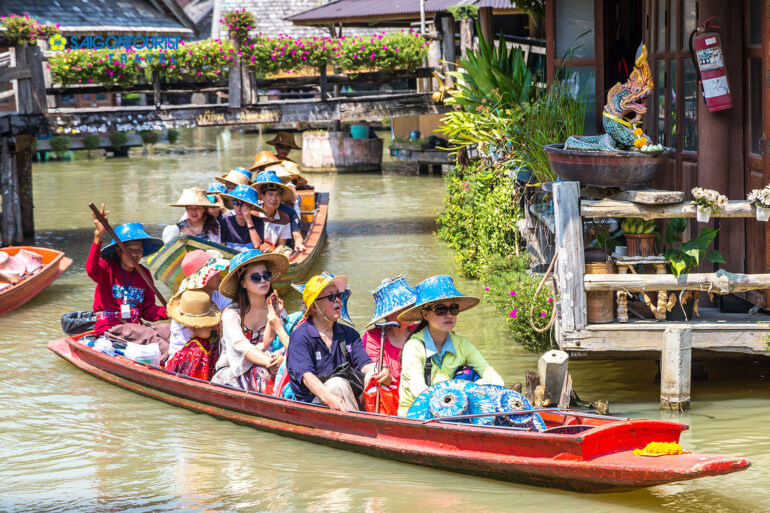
x=388, y=397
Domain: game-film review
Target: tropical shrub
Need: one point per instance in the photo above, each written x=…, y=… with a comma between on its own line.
x=90, y=143
x=149, y=136
x=173, y=135
x=23, y=30
x=60, y=144
x=118, y=139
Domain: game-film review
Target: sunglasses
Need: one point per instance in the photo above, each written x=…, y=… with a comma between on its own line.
x=257, y=277
x=334, y=296
x=237, y=203
x=442, y=310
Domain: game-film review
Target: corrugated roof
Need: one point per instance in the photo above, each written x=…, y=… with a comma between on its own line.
x=394, y=9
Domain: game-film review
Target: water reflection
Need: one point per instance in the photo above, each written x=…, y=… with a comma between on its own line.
x=71, y=442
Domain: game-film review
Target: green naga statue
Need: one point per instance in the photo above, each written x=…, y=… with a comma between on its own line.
x=623, y=101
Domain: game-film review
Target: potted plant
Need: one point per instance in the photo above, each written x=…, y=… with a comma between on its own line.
x=640, y=236
x=685, y=256
x=708, y=201
x=760, y=198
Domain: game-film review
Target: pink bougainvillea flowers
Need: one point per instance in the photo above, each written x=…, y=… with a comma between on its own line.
x=513, y=313
x=513, y=292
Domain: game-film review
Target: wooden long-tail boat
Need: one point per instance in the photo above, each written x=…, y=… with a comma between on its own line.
x=166, y=264
x=14, y=295
x=576, y=453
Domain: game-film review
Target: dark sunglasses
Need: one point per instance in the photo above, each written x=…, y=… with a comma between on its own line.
x=334, y=296
x=266, y=275
x=237, y=203
x=442, y=310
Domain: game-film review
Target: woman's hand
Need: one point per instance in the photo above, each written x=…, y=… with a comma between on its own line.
x=275, y=363
x=100, y=229
x=383, y=377
x=274, y=305
x=245, y=211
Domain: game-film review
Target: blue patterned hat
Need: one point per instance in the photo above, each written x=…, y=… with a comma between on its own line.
x=506, y=400
x=244, y=171
x=276, y=262
x=130, y=232
x=216, y=188
x=451, y=398
x=433, y=290
x=268, y=179
x=246, y=194
x=392, y=295
x=300, y=287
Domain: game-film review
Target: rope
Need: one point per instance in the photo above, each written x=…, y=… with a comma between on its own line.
x=539, y=288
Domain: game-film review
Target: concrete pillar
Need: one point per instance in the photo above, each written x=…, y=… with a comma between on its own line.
x=675, y=363
x=552, y=370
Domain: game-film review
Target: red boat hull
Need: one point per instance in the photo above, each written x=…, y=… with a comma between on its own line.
x=598, y=460
x=54, y=263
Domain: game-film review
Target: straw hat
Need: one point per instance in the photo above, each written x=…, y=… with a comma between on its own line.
x=235, y=177
x=392, y=295
x=267, y=180
x=344, y=315
x=264, y=159
x=193, y=197
x=435, y=290
x=193, y=308
x=276, y=262
x=288, y=171
x=315, y=285
x=284, y=138
x=245, y=194
x=130, y=232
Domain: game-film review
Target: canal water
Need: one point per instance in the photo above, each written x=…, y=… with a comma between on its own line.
x=70, y=442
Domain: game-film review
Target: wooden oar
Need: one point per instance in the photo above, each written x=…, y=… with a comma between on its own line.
x=525, y=412
x=142, y=272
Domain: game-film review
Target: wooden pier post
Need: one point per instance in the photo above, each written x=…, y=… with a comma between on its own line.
x=570, y=265
x=485, y=20
x=466, y=36
x=10, y=224
x=24, y=145
x=448, y=46
x=675, y=364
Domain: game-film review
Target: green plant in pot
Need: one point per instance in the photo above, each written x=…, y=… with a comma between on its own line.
x=683, y=257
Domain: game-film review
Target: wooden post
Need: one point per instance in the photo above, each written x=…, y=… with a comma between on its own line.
x=485, y=20
x=571, y=262
x=324, y=84
x=675, y=363
x=532, y=380
x=10, y=225
x=249, y=90
x=156, y=98
x=552, y=371
x=448, y=46
x=24, y=145
x=466, y=36
x=234, y=85
x=434, y=56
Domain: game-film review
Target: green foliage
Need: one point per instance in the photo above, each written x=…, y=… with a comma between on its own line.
x=535, y=8
x=173, y=135
x=118, y=139
x=91, y=142
x=684, y=257
x=479, y=220
x=463, y=12
x=403, y=49
x=149, y=136
x=23, y=30
x=239, y=24
x=512, y=291
x=60, y=144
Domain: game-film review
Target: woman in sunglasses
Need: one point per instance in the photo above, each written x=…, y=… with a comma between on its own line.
x=253, y=335
x=435, y=353
x=243, y=230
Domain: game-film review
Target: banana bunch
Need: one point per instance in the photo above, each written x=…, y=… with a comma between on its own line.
x=637, y=225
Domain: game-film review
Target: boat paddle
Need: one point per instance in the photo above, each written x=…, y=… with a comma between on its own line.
x=383, y=326
x=146, y=277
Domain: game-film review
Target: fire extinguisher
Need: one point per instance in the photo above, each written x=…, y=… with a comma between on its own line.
x=708, y=57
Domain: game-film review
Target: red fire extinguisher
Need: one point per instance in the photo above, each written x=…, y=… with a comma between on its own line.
x=708, y=57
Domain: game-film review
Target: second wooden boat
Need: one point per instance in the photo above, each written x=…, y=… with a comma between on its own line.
x=166, y=264
x=54, y=263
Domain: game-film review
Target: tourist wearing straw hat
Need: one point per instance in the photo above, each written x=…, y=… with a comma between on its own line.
x=283, y=142
x=277, y=225
x=435, y=353
x=253, y=335
x=242, y=230
x=391, y=298
x=203, y=270
x=262, y=160
x=290, y=207
x=199, y=223
x=326, y=360
x=237, y=176
x=218, y=206
x=194, y=309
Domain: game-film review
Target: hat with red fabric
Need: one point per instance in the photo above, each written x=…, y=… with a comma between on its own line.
x=193, y=261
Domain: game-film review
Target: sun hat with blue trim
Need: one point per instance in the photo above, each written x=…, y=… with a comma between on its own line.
x=130, y=232
x=288, y=171
x=212, y=193
x=300, y=287
x=237, y=176
x=267, y=180
x=434, y=290
x=277, y=263
x=245, y=194
x=392, y=295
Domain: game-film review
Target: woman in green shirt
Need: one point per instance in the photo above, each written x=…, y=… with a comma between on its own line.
x=434, y=353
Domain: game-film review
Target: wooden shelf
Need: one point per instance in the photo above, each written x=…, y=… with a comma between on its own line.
x=720, y=282
x=613, y=208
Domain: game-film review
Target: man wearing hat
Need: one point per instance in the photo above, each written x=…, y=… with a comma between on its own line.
x=325, y=359
x=277, y=225
x=283, y=143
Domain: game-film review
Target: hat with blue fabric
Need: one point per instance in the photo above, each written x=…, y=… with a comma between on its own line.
x=268, y=180
x=452, y=398
x=130, y=232
x=245, y=194
x=237, y=176
x=212, y=193
x=392, y=295
x=300, y=287
x=277, y=263
x=437, y=289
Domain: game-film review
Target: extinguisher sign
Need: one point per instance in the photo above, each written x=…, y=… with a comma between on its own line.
x=710, y=58
x=716, y=86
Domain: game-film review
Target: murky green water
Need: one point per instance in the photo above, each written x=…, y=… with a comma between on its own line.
x=69, y=442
